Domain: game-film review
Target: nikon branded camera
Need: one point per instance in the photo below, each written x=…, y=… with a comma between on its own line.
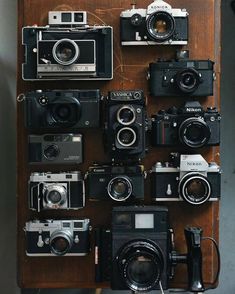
x=191, y=179
x=189, y=126
x=56, y=191
x=158, y=24
x=57, y=237
x=55, y=148
x=68, y=49
x=119, y=183
x=126, y=124
x=62, y=109
x=181, y=78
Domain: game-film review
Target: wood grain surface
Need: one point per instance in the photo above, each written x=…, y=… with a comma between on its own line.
x=130, y=67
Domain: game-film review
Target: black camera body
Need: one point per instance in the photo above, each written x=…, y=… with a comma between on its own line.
x=119, y=183
x=192, y=180
x=55, y=149
x=181, y=78
x=140, y=248
x=57, y=237
x=68, y=49
x=159, y=24
x=56, y=191
x=126, y=124
x=57, y=109
x=189, y=126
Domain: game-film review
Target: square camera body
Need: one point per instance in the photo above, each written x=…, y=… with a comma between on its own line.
x=159, y=24
x=56, y=191
x=117, y=183
x=55, y=149
x=192, y=180
x=189, y=126
x=181, y=78
x=57, y=109
x=57, y=237
x=140, y=244
x=126, y=125
x=68, y=48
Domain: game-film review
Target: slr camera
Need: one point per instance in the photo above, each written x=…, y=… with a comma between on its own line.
x=62, y=109
x=188, y=178
x=126, y=124
x=119, y=183
x=189, y=126
x=158, y=24
x=138, y=252
x=55, y=149
x=56, y=191
x=68, y=48
x=181, y=78
x=57, y=237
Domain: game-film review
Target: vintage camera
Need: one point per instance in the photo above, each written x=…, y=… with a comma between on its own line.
x=68, y=49
x=119, y=183
x=56, y=191
x=57, y=237
x=62, y=109
x=138, y=252
x=126, y=124
x=187, y=177
x=190, y=126
x=159, y=24
x=181, y=78
x=55, y=149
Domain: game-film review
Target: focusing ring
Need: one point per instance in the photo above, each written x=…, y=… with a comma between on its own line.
x=132, y=250
x=194, y=121
x=77, y=52
x=170, y=22
x=183, y=186
x=61, y=234
x=127, y=182
x=184, y=88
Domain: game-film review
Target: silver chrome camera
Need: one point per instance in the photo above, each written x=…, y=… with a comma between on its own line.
x=56, y=191
x=159, y=24
x=68, y=48
x=191, y=178
x=57, y=237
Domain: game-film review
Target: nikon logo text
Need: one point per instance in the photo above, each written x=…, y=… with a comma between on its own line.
x=193, y=109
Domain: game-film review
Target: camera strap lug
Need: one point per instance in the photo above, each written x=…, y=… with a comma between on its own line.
x=21, y=97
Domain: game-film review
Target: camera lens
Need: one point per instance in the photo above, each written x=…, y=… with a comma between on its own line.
x=119, y=188
x=126, y=137
x=194, y=188
x=188, y=80
x=61, y=112
x=51, y=152
x=61, y=242
x=194, y=132
x=65, y=52
x=126, y=115
x=54, y=195
x=141, y=264
x=160, y=26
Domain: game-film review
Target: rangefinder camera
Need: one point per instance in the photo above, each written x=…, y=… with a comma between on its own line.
x=159, y=24
x=118, y=183
x=126, y=124
x=68, y=48
x=189, y=126
x=56, y=109
x=55, y=149
x=181, y=78
x=191, y=179
x=57, y=237
x=56, y=191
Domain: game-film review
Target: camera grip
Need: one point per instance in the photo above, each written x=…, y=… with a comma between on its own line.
x=194, y=259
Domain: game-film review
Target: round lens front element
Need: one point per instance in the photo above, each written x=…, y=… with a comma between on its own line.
x=65, y=52
x=195, y=188
x=119, y=188
x=126, y=137
x=51, y=152
x=61, y=242
x=126, y=115
x=160, y=26
x=54, y=196
x=188, y=80
x=62, y=112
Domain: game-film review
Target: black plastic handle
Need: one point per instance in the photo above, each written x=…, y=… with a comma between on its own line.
x=194, y=259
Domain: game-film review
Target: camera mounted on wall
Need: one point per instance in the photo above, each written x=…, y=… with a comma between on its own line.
x=142, y=256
